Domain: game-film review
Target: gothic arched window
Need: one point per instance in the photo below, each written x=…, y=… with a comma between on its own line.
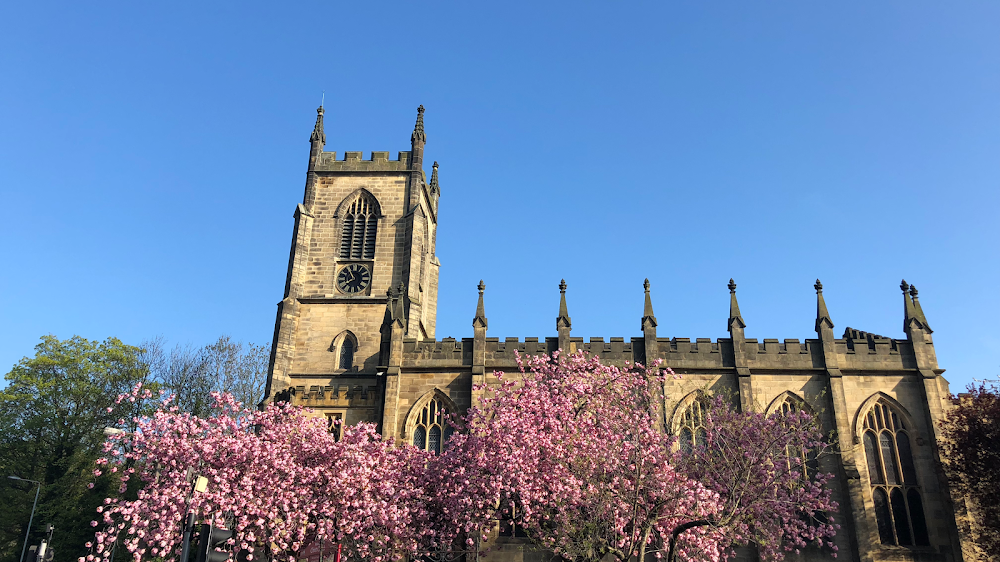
x=360, y=225
x=691, y=430
x=347, y=354
x=432, y=429
x=344, y=347
x=899, y=511
x=791, y=403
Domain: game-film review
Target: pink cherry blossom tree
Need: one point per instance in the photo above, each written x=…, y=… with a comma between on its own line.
x=277, y=477
x=765, y=471
x=571, y=449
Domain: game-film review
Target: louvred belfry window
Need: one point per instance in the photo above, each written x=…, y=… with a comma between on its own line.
x=360, y=225
x=899, y=510
x=432, y=429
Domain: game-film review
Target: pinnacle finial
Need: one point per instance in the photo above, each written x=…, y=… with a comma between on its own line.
x=918, y=310
x=904, y=286
x=418, y=129
x=434, y=179
x=318, y=134
x=648, y=319
x=735, y=316
x=563, y=320
x=822, y=314
x=480, y=319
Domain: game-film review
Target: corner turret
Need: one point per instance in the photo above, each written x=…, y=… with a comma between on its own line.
x=317, y=140
x=318, y=135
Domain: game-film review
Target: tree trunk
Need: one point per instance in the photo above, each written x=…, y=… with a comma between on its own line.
x=672, y=552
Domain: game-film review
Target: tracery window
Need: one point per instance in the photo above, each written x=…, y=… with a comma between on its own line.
x=334, y=423
x=899, y=511
x=432, y=429
x=809, y=463
x=692, y=425
x=510, y=519
x=360, y=225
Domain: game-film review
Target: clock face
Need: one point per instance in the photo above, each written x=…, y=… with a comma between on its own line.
x=353, y=278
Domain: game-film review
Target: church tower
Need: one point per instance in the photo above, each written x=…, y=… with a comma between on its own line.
x=362, y=248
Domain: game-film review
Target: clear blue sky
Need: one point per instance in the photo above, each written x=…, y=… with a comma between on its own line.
x=151, y=155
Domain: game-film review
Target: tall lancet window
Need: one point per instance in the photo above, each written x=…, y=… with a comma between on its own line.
x=357, y=240
x=347, y=354
x=808, y=462
x=899, y=510
x=692, y=425
x=432, y=429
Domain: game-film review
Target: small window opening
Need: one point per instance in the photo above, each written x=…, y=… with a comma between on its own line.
x=347, y=354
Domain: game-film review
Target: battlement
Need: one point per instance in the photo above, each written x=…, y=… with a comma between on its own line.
x=354, y=162
x=863, y=352
x=335, y=394
x=530, y=346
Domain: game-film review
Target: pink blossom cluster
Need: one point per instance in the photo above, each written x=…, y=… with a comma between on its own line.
x=277, y=477
x=572, y=451
x=766, y=471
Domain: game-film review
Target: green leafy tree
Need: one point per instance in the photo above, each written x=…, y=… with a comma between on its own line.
x=52, y=415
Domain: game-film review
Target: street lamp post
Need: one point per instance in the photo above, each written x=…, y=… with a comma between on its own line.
x=32, y=518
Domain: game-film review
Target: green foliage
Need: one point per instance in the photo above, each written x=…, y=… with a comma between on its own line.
x=52, y=414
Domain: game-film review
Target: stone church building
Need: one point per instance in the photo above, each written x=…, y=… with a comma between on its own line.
x=355, y=340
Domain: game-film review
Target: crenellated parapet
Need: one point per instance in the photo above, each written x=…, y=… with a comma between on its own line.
x=335, y=394
x=857, y=352
x=443, y=352
x=354, y=162
x=682, y=354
